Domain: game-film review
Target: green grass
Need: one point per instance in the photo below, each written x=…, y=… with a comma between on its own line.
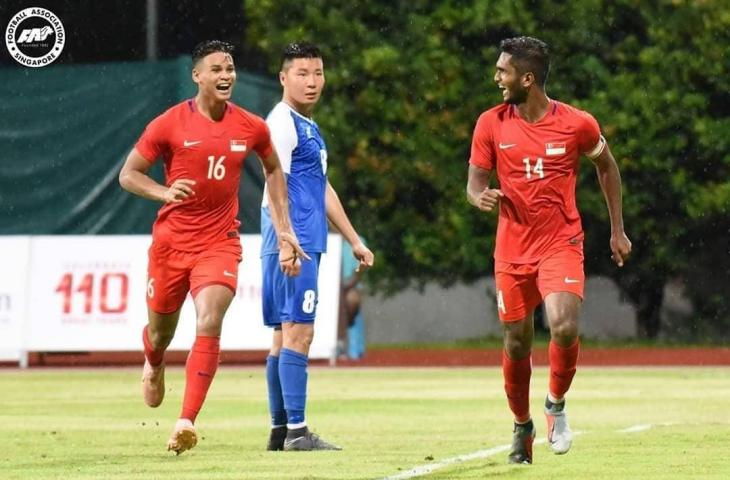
x=69, y=424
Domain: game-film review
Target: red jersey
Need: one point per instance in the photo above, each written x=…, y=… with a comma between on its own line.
x=537, y=168
x=211, y=153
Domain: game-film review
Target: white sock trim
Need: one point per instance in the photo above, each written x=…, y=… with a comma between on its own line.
x=186, y=422
x=554, y=399
x=293, y=426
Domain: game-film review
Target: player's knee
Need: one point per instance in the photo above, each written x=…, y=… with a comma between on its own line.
x=209, y=323
x=305, y=339
x=564, y=330
x=276, y=343
x=160, y=338
x=516, y=347
x=299, y=338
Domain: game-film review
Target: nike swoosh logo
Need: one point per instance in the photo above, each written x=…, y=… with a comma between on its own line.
x=204, y=374
x=190, y=144
x=570, y=280
x=505, y=146
x=226, y=273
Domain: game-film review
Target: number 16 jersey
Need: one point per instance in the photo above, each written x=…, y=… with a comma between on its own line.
x=211, y=153
x=537, y=168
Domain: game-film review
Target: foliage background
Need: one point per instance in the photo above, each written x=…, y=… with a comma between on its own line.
x=406, y=81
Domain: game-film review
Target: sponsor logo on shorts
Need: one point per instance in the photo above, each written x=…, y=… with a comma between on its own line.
x=571, y=280
x=226, y=273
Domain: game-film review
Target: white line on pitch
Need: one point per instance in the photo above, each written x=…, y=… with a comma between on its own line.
x=428, y=468
x=636, y=428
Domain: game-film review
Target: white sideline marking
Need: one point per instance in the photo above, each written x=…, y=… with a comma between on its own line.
x=636, y=428
x=428, y=468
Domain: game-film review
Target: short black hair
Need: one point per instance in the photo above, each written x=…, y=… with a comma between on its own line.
x=299, y=50
x=203, y=49
x=529, y=55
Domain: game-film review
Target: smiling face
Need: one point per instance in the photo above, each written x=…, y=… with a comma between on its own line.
x=514, y=85
x=303, y=81
x=215, y=75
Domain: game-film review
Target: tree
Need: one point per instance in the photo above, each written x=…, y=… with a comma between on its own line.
x=407, y=80
x=664, y=104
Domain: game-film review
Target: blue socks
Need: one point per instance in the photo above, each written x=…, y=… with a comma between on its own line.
x=276, y=400
x=293, y=376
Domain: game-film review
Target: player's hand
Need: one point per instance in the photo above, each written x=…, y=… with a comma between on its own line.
x=364, y=255
x=620, y=248
x=179, y=191
x=289, y=262
x=289, y=254
x=489, y=199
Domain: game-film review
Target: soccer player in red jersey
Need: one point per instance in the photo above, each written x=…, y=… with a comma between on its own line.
x=195, y=243
x=535, y=144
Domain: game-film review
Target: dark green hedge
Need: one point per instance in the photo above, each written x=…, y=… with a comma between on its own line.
x=407, y=80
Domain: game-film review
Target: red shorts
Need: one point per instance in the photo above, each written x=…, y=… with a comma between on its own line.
x=172, y=273
x=522, y=286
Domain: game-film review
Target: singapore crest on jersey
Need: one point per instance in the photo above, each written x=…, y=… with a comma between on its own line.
x=238, y=145
x=552, y=149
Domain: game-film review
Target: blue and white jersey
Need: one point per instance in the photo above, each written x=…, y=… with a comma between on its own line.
x=303, y=157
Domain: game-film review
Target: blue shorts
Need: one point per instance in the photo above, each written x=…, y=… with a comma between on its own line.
x=289, y=299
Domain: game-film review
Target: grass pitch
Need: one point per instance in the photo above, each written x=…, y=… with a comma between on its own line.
x=92, y=424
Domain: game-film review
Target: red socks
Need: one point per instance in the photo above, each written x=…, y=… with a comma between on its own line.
x=155, y=357
x=199, y=372
x=517, y=385
x=517, y=374
x=562, y=367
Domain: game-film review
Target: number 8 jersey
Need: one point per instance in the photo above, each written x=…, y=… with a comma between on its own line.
x=303, y=157
x=537, y=168
x=211, y=153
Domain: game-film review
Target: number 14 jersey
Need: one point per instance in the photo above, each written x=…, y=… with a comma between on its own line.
x=537, y=168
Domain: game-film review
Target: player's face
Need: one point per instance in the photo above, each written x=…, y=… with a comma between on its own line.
x=303, y=81
x=509, y=80
x=215, y=75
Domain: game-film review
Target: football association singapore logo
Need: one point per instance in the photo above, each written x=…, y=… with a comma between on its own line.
x=35, y=37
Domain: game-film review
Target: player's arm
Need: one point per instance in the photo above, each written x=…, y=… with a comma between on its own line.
x=289, y=248
x=134, y=178
x=336, y=214
x=351, y=281
x=609, y=178
x=478, y=192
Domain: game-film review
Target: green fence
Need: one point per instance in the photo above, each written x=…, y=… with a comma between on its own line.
x=66, y=130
